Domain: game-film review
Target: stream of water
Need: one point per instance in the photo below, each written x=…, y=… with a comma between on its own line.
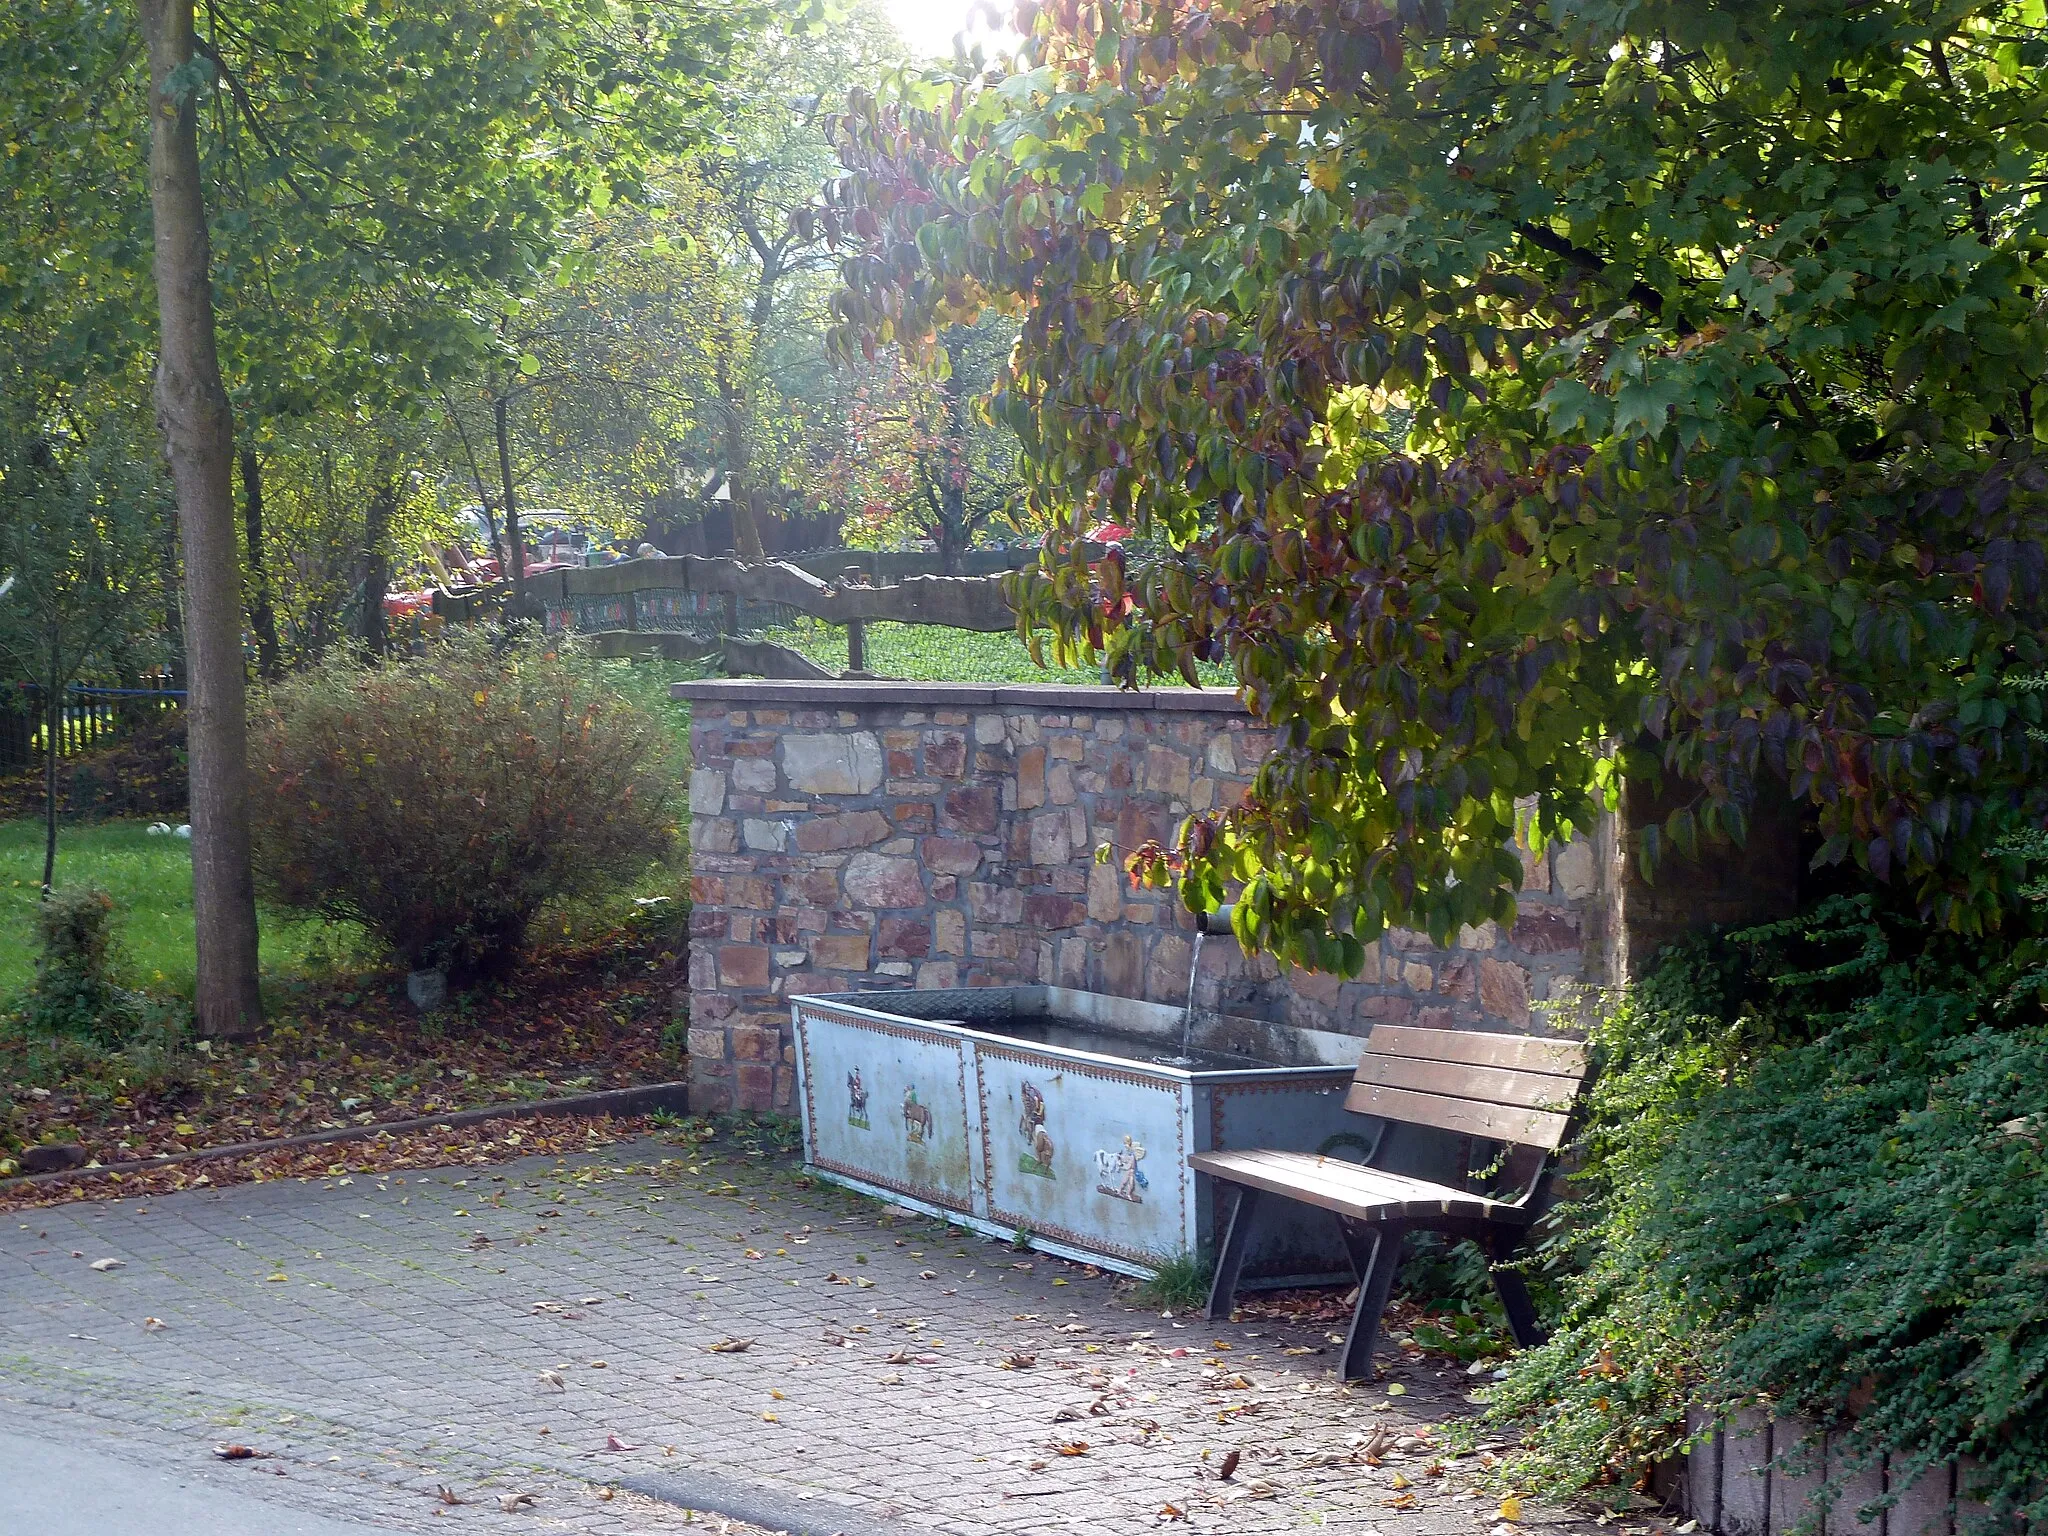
x=1187, y=1014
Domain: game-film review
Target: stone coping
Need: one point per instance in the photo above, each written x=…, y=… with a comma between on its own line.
x=747, y=692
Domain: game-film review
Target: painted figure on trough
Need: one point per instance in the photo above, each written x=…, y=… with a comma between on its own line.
x=856, y=1100
x=1118, y=1172
x=917, y=1119
x=1031, y=1125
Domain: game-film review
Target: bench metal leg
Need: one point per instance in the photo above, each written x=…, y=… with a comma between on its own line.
x=1376, y=1254
x=1514, y=1296
x=1237, y=1235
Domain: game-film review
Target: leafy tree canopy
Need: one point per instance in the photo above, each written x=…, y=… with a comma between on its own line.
x=1530, y=395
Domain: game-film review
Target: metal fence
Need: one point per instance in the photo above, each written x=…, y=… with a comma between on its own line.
x=92, y=715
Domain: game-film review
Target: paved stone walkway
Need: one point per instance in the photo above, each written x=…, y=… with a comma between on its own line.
x=548, y=1328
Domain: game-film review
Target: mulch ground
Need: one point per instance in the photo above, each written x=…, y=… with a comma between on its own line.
x=140, y=773
x=356, y=1053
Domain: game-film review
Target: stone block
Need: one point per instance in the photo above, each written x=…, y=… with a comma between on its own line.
x=1795, y=1476
x=970, y=810
x=854, y=829
x=988, y=730
x=1545, y=930
x=763, y=836
x=1030, y=779
x=1457, y=976
x=1504, y=991
x=742, y=965
x=945, y=756
x=1167, y=972
x=950, y=855
x=1576, y=875
x=1746, y=1475
x=754, y=776
x=1122, y=972
x=877, y=880
x=1923, y=1504
x=707, y=890
x=995, y=903
x=937, y=975
x=1105, y=892
x=1478, y=936
x=851, y=764
x=753, y=892
x=1167, y=772
x=1051, y=842
x=754, y=1085
x=840, y=951
x=1053, y=911
x=1067, y=749
x=1221, y=755
x=903, y=938
x=1863, y=1486
x=752, y=1043
x=707, y=792
x=713, y=835
x=1316, y=986
x=1418, y=978
x=949, y=932
x=707, y=1044
x=1059, y=784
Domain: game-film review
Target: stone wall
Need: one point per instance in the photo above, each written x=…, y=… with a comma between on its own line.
x=854, y=835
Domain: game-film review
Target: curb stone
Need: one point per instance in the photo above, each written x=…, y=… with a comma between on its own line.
x=673, y=1096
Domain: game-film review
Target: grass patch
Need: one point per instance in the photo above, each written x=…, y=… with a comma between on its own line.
x=150, y=879
x=1179, y=1284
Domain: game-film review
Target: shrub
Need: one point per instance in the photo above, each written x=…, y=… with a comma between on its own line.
x=74, y=992
x=442, y=801
x=1818, y=1186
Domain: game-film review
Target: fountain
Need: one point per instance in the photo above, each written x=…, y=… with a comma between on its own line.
x=1069, y=1115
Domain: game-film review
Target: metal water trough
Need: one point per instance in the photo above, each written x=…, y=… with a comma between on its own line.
x=1069, y=1116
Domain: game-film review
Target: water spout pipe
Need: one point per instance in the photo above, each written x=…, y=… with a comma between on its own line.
x=1218, y=922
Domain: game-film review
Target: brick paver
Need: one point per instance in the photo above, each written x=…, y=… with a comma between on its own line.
x=546, y=1327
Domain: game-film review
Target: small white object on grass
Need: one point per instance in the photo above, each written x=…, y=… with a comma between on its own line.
x=185, y=831
x=159, y=829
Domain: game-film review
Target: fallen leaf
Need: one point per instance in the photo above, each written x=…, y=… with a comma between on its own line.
x=103, y=1265
x=236, y=1453
x=1019, y=1362
x=605, y=1494
x=597, y=1365
x=154, y=1325
x=277, y=1279
x=554, y=1379
x=772, y=1392
x=512, y=1503
x=771, y=1418
x=446, y=1495
x=927, y=1274
x=900, y=1357
x=1511, y=1509
x=1395, y=1389
x=1401, y=1482
x=1229, y=1468
x=1402, y=1501
x=614, y=1443
x=730, y=1346
x=1072, y=1447
x=1168, y=1513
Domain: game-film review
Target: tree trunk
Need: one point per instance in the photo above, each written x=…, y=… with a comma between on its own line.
x=262, y=617
x=199, y=440
x=502, y=426
x=376, y=635
x=53, y=719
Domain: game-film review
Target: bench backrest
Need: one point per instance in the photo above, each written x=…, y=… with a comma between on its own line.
x=1511, y=1088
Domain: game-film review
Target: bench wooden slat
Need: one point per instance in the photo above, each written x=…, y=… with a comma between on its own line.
x=1480, y=1048
x=1458, y=1080
x=1347, y=1188
x=1496, y=1122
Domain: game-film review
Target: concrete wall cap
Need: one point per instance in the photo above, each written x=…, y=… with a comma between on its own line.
x=747, y=693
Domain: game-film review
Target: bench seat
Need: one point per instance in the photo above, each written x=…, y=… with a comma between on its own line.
x=1514, y=1092
x=1349, y=1189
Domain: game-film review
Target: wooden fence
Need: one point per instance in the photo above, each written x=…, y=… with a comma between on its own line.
x=691, y=603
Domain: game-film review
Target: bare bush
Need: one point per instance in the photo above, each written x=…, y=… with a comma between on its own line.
x=442, y=801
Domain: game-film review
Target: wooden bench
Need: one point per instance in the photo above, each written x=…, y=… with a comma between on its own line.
x=1514, y=1092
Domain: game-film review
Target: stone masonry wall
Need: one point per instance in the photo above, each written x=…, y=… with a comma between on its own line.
x=851, y=835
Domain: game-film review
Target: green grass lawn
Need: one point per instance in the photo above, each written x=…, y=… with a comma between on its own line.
x=934, y=654
x=150, y=879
